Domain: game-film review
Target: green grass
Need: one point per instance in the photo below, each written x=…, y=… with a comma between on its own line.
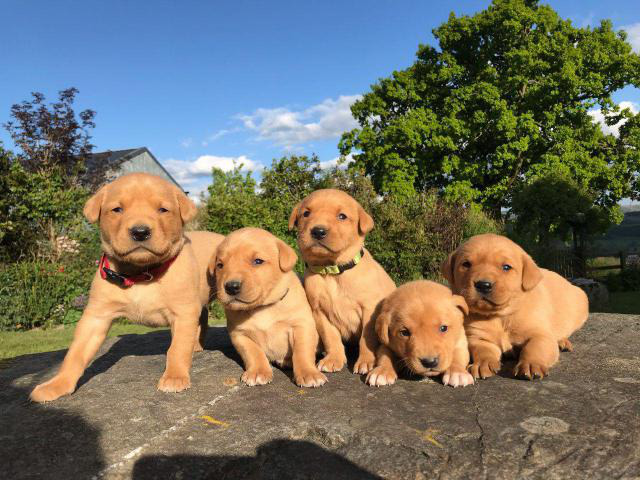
x=623, y=302
x=13, y=344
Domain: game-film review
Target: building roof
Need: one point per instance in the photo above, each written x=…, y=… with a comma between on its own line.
x=114, y=158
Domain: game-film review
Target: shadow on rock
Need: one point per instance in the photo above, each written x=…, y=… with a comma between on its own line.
x=277, y=460
x=40, y=441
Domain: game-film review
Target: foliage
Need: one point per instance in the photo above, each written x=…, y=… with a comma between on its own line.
x=506, y=97
x=47, y=291
x=234, y=200
x=412, y=234
x=51, y=137
x=35, y=208
x=555, y=205
x=628, y=280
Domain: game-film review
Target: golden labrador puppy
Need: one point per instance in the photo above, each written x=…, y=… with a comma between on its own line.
x=421, y=327
x=151, y=272
x=268, y=316
x=513, y=303
x=342, y=280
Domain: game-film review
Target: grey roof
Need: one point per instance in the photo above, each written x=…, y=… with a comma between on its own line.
x=118, y=157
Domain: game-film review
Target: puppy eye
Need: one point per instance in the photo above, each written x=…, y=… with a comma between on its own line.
x=443, y=328
x=219, y=265
x=117, y=210
x=405, y=332
x=163, y=210
x=258, y=261
x=342, y=216
x=306, y=213
x=466, y=264
x=506, y=267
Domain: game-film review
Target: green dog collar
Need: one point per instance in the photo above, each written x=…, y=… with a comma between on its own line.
x=337, y=269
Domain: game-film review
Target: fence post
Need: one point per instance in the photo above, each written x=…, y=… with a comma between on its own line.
x=622, y=257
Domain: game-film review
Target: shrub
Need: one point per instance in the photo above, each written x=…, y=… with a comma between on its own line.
x=628, y=280
x=412, y=234
x=35, y=208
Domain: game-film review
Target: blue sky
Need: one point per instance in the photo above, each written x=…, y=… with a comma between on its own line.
x=209, y=82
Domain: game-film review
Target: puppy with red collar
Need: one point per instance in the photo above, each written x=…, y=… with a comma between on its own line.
x=151, y=273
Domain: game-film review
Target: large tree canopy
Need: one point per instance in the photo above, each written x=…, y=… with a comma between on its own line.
x=504, y=99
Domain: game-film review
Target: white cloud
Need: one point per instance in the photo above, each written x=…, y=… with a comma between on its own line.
x=194, y=176
x=598, y=117
x=285, y=127
x=334, y=162
x=633, y=35
x=216, y=135
x=187, y=142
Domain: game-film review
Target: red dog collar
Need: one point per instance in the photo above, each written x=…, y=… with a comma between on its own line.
x=125, y=280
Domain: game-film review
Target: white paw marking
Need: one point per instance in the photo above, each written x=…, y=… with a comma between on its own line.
x=457, y=379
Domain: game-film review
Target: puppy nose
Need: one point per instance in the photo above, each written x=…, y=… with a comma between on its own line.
x=319, y=232
x=483, y=286
x=140, y=233
x=429, y=362
x=232, y=287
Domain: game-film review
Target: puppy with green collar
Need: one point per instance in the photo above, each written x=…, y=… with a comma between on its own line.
x=343, y=282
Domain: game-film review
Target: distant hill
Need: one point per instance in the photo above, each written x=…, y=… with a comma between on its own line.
x=630, y=208
x=624, y=237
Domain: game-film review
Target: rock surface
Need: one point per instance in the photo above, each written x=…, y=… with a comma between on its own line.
x=581, y=422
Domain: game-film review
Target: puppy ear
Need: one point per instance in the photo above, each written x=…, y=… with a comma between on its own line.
x=211, y=275
x=460, y=302
x=288, y=257
x=293, y=218
x=188, y=209
x=531, y=273
x=383, y=320
x=365, y=222
x=92, y=208
x=447, y=267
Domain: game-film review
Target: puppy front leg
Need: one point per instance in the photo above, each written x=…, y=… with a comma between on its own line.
x=486, y=358
x=87, y=338
x=256, y=364
x=184, y=330
x=536, y=357
x=457, y=375
x=305, y=343
x=203, y=326
x=367, y=345
x=384, y=373
x=335, y=357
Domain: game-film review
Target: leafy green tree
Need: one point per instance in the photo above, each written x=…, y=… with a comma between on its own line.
x=503, y=99
x=232, y=202
x=412, y=234
x=555, y=206
x=52, y=137
x=35, y=208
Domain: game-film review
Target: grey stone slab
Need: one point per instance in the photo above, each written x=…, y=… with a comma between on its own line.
x=581, y=422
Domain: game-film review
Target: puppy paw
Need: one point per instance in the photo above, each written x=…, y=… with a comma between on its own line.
x=197, y=348
x=257, y=377
x=457, y=378
x=565, y=345
x=310, y=378
x=364, y=364
x=530, y=370
x=484, y=368
x=381, y=376
x=174, y=383
x=332, y=363
x=51, y=390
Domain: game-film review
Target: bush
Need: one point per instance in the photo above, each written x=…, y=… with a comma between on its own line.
x=412, y=234
x=35, y=209
x=36, y=294
x=628, y=280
